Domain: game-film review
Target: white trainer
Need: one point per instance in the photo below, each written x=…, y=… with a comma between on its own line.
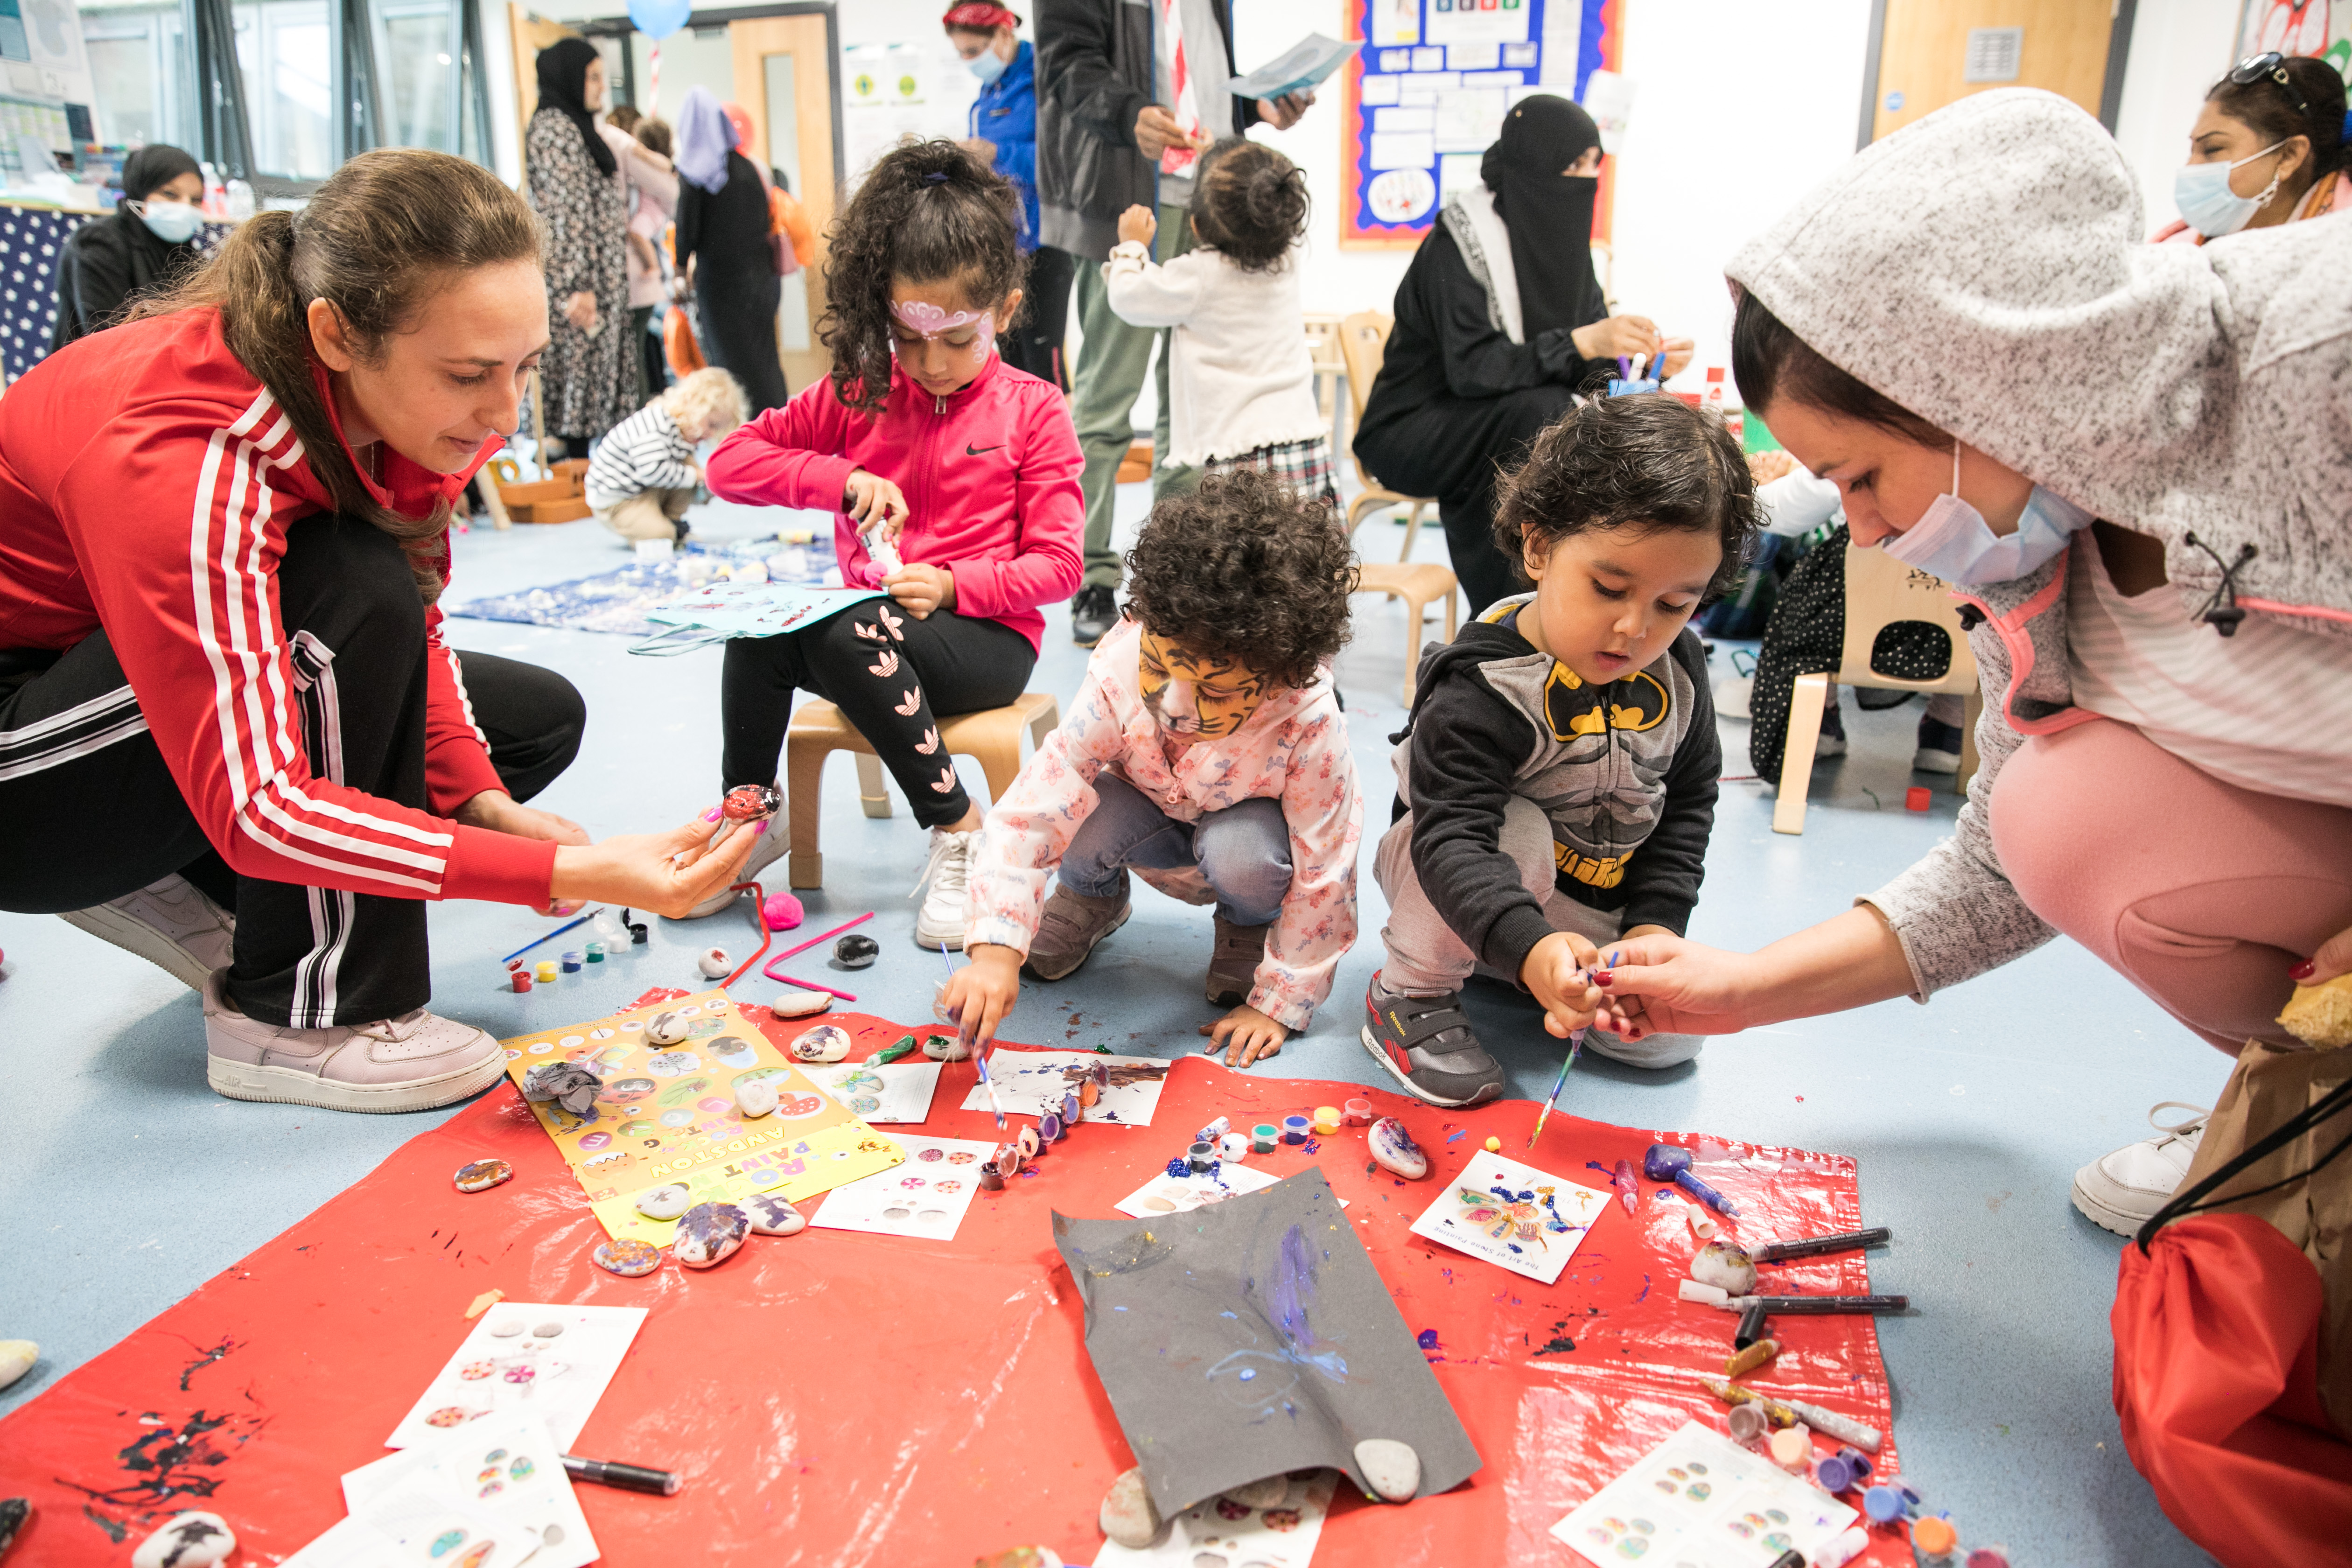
x=415, y=1062
x=2122, y=1191
x=946, y=881
x=765, y=853
x=171, y=924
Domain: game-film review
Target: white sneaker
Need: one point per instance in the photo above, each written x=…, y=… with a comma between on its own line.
x=410, y=1063
x=764, y=854
x=171, y=924
x=946, y=880
x=2122, y=1191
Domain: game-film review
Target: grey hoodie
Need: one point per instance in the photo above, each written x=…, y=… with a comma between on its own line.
x=1987, y=268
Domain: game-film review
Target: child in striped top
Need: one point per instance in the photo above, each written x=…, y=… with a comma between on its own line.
x=643, y=472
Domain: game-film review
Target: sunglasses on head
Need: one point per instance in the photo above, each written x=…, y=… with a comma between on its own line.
x=2254, y=68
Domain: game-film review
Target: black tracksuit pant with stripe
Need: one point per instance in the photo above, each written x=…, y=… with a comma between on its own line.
x=88, y=812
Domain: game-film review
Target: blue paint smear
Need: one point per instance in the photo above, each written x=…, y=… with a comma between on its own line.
x=1457, y=1137
x=1426, y=1339
x=1286, y=1307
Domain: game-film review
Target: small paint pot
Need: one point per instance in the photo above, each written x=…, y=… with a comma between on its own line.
x=1918, y=797
x=1842, y=1469
x=573, y=960
x=1792, y=1451
x=1749, y=1425
x=1358, y=1112
x=1177, y=1167
x=1071, y=1109
x=523, y=978
x=1888, y=1503
x=1049, y=1129
x=1101, y=1074
x=1263, y=1138
x=1294, y=1129
x=1029, y=1143
x=1200, y=1155
x=1232, y=1146
x=1934, y=1536
x=1214, y=1130
x=547, y=973
x=1088, y=1092
x=1008, y=1159
x=992, y=1180
x=1326, y=1120
x=595, y=952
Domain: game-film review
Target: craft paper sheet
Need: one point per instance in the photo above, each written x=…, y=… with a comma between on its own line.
x=924, y=1197
x=412, y=1531
x=1031, y=1082
x=1251, y=1338
x=1513, y=1215
x=507, y=1366
x=506, y=1469
x=669, y=1116
x=897, y=1092
x=1283, y=1536
x=1701, y=1500
x=756, y=609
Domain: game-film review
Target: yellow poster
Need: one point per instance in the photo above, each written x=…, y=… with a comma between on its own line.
x=667, y=1115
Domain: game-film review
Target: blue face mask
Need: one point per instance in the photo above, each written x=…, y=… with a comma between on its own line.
x=1952, y=540
x=2207, y=204
x=987, y=65
x=174, y=223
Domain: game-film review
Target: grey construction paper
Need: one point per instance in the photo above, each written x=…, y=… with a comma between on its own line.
x=1253, y=1337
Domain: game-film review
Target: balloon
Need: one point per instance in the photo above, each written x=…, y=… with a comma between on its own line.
x=659, y=18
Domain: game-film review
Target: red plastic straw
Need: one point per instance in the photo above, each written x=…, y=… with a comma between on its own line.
x=827, y=937
x=760, y=918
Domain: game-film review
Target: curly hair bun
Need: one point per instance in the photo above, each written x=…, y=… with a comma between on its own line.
x=1249, y=203
x=1242, y=568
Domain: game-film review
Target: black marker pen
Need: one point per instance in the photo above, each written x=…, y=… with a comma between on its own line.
x=629, y=1477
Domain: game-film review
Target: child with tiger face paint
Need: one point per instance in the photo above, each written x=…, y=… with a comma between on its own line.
x=1206, y=754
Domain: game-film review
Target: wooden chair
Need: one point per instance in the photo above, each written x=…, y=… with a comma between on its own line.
x=1363, y=341
x=1879, y=592
x=1330, y=365
x=818, y=729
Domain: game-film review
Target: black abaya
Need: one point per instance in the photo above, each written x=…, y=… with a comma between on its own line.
x=736, y=289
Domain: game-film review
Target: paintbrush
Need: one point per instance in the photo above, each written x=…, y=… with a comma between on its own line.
x=550, y=936
x=1575, y=1044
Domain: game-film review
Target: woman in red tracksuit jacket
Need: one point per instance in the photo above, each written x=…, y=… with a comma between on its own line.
x=222, y=526
x=954, y=481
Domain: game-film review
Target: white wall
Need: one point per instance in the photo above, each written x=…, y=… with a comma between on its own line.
x=2179, y=48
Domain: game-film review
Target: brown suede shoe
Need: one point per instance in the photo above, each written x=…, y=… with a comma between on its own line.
x=1233, y=966
x=1069, y=930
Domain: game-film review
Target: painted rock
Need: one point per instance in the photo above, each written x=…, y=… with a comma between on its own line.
x=1725, y=1266
x=1267, y=1493
x=628, y=1257
x=481, y=1176
x=1663, y=1161
x=666, y=1201
x=667, y=1029
x=746, y=803
x=771, y=1215
x=799, y=1004
x=856, y=950
x=1127, y=1516
x=1393, y=1149
x=1390, y=1467
x=825, y=1043
x=709, y=1234
x=1021, y=1557
x=945, y=1047
x=189, y=1540
x=16, y=1358
x=714, y=962
x=755, y=1100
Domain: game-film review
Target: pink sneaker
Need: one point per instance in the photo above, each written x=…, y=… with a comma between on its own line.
x=410, y=1063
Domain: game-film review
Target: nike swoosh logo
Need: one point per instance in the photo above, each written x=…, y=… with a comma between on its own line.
x=971, y=451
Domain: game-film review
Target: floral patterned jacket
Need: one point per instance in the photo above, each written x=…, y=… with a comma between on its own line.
x=1293, y=751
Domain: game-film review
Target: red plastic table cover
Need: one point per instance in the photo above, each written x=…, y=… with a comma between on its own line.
x=848, y=1399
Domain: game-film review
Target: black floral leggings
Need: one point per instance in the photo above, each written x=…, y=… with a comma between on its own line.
x=889, y=674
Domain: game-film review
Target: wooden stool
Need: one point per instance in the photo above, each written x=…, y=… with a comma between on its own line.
x=992, y=736
x=1363, y=343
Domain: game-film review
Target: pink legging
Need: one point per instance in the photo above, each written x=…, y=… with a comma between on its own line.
x=2198, y=892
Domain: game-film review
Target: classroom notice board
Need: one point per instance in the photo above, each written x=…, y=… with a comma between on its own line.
x=1426, y=96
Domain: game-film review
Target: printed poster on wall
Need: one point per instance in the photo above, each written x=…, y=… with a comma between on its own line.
x=1427, y=95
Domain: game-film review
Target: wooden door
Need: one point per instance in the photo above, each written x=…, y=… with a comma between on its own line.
x=803, y=54
x=1926, y=55
x=530, y=32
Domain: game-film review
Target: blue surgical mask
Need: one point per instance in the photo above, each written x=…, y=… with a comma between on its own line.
x=987, y=65
x=1951, y=540
x=170, y=222
x=2207, y=204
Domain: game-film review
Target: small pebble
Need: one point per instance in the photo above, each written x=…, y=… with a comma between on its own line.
x=628, y=1257
x=1127, y=1516
x=667, y=1029
x=709, y=1234
x=782, y=912
x=755, y=1098
x=714, y=962
x=856, y=950
x=189, y=1540
x=1721, y=1263
x=1267, y=1493
x=666, y=1201
x=480, y=1176
x=1393, y=1149
x=825, y=1043
x=1390, y=1468
x=16, y=1358
x=796, y=1003
x=547, y=1330
x=771, y=1215
x=1493, y=1146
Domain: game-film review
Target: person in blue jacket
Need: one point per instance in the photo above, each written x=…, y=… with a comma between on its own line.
x=1005, y=136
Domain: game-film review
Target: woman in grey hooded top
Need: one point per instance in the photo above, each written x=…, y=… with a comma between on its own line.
x=2134, y=463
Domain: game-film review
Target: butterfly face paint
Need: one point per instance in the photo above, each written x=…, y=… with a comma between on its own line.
x=941, y=349
x=1195, y=700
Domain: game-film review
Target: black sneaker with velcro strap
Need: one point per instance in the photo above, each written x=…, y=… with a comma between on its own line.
x=1426, y=1044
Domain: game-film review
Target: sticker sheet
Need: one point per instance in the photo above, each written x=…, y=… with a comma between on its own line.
x=898, y=1092
x=668, y=1115
x=507, y=1468
x=1031, y=1082
x=924, y=1197
x=525, y=1357
x=1165, y=1193
x=1700, y=1498
x=1524, y=1219
x=1281, y=1536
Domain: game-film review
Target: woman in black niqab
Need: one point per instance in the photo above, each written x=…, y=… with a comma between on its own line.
x=1547, y=210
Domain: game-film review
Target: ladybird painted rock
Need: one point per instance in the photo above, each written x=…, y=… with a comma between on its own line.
x=709, y=1234
x=628, y=1257
x=825, y=1043
x=771, y=1215
x=746, y=802
x=480, y=1176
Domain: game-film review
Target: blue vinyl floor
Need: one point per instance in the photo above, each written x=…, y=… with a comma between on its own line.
x=128, y=1183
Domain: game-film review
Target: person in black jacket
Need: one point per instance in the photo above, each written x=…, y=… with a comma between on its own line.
x=723, y=254
x=1556, y=777
x=1114, y=131
x=1499, y=321
x=146, y=248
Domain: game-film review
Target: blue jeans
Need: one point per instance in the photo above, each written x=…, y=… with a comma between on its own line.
x=1242, y=852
